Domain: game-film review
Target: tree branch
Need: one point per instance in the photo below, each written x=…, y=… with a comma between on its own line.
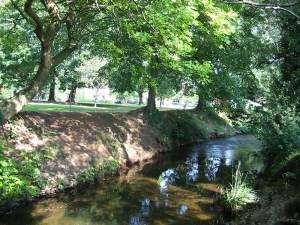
x=38, y=23
x=70, y=47
x=65, y=53
x=279, y=7
x=15, y=5
x=52, y=9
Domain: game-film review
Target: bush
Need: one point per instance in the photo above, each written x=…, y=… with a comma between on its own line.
x=279, y=128
x=177, y=127
x=18, y=179
x=288, y=168
x=99, y=170
x=239, y=193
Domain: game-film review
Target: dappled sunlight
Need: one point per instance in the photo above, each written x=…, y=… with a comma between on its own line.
x=208, y=187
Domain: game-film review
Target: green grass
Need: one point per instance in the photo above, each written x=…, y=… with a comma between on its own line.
x=239, y=193
x=80, y=108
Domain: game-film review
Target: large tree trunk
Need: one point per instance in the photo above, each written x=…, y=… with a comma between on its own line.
x=51, y=97
x=14, y=105
x=46, y=34
x=161, y=101
x=151, y=103
x=1, y=89
x=72, y=94
x=140, y=97
x=201, y=103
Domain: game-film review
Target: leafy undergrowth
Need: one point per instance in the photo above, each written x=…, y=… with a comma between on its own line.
x=98, y=170
x=288, y=168
x=279, y=205
x=279, y=202
x=19, y=179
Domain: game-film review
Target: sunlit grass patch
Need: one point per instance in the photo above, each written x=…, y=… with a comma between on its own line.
x=79, y=108
x=110, y=108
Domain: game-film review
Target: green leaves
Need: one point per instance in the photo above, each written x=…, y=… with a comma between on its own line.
x=18, y=179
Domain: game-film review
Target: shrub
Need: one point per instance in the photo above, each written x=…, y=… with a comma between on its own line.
x=98, y=170
x=279, y=128
x=177, y=126
x=238, y=194
x=18, y=179
x=288, y=168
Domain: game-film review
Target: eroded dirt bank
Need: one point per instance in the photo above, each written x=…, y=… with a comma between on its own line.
x=68, y=144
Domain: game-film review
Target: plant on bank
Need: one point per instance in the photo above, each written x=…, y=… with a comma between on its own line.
x=177, y=126
x=18, y=179
x=98, y=170
x=239, y=193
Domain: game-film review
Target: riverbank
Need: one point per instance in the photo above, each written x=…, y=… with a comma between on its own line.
x=279, y=197
x=279, y=204
x=51, y=151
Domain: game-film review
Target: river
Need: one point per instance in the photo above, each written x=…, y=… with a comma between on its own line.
x=180, y=187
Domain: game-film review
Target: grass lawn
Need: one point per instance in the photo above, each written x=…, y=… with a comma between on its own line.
x=83, y=108
x=80, y=108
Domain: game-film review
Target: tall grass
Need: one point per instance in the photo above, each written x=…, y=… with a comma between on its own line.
x=239, y=193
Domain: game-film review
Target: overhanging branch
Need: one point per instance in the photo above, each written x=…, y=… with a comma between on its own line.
x=272, y=6
x=38, y=23
x=15, y=5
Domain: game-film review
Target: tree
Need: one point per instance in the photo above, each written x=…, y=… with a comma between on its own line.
x=154, y=37
x=51, y=97
x=60, y=28
x=217, y=24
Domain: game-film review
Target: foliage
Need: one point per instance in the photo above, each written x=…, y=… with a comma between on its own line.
x=276, y=122
x=155, y=51
x=238, y=194
x=280, y=129
x=99, y=170
x=80, y=71
x=18, y=51
x=287, y=168
x=215, y=29
x=179, y=127
x=18, y=179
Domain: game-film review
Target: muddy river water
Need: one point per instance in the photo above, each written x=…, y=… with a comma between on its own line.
x=179, y=187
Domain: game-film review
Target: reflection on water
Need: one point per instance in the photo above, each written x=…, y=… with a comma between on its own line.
x=179, y=188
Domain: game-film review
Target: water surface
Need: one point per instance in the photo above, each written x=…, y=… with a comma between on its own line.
x=178, y=188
